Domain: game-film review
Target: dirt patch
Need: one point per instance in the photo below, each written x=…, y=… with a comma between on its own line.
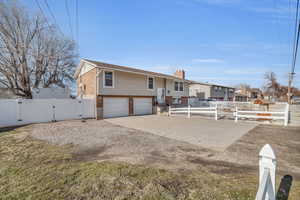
x=284, y=140
x=222, y=167
x=104, y=141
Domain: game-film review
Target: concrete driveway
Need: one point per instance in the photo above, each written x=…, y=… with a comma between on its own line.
x=208, y=133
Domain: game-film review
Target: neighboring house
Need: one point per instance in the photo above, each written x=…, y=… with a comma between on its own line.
x=125, y=91
x=51, y=93
x=5, y=93
x=211, y=91
x=247, y=94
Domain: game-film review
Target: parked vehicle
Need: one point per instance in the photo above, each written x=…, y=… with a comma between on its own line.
x=296, y=100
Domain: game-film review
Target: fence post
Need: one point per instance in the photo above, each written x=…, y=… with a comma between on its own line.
x=19, y=110
x=236, y=114
x=216, y=112
x=169, y=110
x=189, y=111
x=53, y=113
x=286, y=114
x=267, y=161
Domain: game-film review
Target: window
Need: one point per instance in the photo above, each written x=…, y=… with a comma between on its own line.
x=178, y=86
x=181, y=86
x=216, y=88
x=150, y=83
x=108, y=79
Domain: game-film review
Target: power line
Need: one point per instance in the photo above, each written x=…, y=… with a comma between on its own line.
x=295, y=36
x=295, y=52
x=50, y=11
x=69, y=18
x=42, y=12
x=53, y=16
x=77, y=23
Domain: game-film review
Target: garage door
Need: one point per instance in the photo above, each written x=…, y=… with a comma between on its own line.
x=142, y=106
x=115, y=107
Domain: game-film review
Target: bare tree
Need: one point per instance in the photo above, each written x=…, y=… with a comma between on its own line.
x=32, y=53
x=271, y=87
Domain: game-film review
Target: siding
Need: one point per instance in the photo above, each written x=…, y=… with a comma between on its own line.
x=171, y=90
x=221, y=93
x=198, y=88
x=130, y=84
x=87, y=80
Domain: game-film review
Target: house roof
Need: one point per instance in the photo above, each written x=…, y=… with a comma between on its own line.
x=210, y=84
x=125, y=69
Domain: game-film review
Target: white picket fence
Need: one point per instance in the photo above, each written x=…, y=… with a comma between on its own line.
x=283, y=115
x=194, y=110
x=267, y=174
x=27, y=111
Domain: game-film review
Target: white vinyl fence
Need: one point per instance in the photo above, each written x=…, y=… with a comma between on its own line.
x=267, y=172
x=256, y=114
x=194, y=110
x=26, y=111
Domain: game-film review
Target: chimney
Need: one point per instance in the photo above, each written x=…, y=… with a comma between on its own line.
x=180, y=73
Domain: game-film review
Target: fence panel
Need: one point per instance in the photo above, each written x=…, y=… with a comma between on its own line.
x=67, y=109
x=26, y=111
x=8, y=112
x=88, y=106
x=34, y=110
x=194, y=110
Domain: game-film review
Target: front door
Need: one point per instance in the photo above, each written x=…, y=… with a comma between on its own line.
x=161, y=94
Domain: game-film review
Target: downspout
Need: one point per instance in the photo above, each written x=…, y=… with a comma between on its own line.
x=97, y=91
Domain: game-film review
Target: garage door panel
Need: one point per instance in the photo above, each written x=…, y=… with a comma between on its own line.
x=115, y=107
x=142, y=106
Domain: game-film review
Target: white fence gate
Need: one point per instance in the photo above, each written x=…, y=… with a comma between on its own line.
x=26, y=111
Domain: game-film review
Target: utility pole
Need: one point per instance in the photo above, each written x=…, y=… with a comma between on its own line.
x=291, y=76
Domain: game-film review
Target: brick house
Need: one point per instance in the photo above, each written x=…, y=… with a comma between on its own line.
x=125, y=91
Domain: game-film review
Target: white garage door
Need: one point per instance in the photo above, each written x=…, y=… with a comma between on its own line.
x=142, y=106
x=115, y=107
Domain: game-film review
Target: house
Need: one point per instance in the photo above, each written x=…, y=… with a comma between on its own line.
x=211, y=91
x=125, y=91
x=247, y=94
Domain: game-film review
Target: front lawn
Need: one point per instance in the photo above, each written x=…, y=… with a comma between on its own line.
x=33, y=169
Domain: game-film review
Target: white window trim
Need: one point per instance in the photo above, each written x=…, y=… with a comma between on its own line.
x=179, y=86
x=148, y=82
x=113, y=79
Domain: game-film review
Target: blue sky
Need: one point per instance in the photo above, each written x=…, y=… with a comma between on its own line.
x=220, y=41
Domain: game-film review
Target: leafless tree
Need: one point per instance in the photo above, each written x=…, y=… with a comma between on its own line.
x=271, y=87
x=32, y=53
